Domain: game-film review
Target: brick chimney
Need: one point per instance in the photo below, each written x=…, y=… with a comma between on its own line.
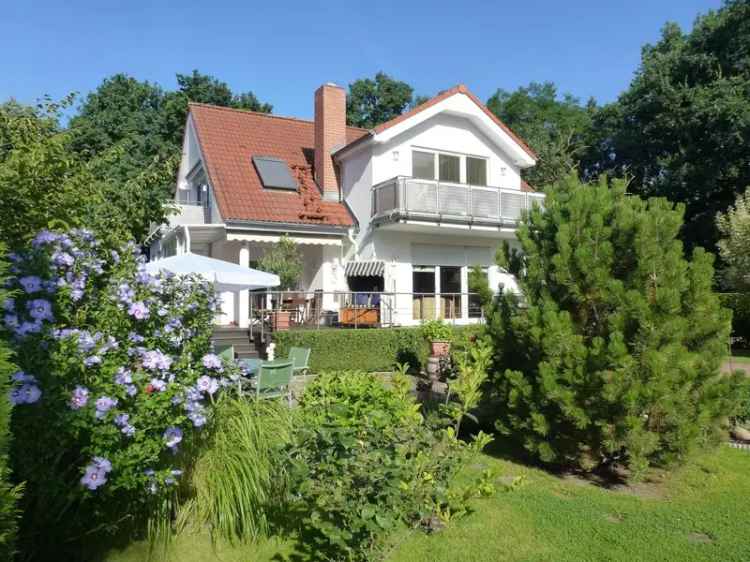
x=330, y=135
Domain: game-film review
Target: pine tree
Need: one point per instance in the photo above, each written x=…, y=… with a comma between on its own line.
x=612, y=350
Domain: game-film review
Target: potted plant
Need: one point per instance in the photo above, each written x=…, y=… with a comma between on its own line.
x=285, y=260
x=438, y=333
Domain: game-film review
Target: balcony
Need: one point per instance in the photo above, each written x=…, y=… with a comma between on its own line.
x=412, y=199
x=190, y=209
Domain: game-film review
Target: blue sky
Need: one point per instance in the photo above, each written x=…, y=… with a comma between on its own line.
x=283, y=50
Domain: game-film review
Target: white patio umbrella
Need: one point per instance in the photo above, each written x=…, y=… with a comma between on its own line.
x=224, y=275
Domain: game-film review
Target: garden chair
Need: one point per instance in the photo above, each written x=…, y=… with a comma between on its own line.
x=300, y=356
x=226, y=352
x=274, y=380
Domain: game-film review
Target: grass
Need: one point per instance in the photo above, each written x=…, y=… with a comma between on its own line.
x=741, y=356
x=699, y=512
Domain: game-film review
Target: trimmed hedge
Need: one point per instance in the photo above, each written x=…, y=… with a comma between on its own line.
x=370, y=349
x=739, y=303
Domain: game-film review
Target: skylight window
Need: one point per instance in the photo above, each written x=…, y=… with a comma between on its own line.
x=274, y=173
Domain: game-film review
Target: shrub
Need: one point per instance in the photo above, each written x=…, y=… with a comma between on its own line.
x=615, y=354
x=739, y=304
x=365, y=463
x=9, y=494
x=436, y=330
x=122, y=383
x=369, y=350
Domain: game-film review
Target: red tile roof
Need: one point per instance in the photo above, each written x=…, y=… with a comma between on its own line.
x=230, y=137
x=460, y=89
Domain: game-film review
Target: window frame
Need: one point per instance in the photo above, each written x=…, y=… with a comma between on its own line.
x=463, y=165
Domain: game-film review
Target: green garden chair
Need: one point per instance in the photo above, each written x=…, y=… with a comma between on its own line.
x=274, y=380
x=300, y=356
x=226, y=352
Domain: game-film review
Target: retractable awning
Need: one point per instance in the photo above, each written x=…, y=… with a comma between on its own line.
x=365, y=269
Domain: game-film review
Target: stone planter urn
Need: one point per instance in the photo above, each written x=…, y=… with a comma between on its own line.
x=440, y=348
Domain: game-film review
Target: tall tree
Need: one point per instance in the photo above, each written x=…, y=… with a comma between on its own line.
x=130, y=133
x=556, y=127
x=734, y=245
x=372, y=102
x=681, y=129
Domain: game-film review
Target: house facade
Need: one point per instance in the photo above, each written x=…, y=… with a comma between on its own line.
x=400, y=212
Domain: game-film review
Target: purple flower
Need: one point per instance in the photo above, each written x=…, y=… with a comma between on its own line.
x=76, y=295
x=142, y=276
x=79, y=397
x=198, y=418
x=40, y=309
x=9, y=304
x=123, y=376
x=93, y=477
x=63, y=259
x=20, y=376
x=104, y=405
x=44, y=237
x=158, y=385
x=172, y=437
x=156, y=360
x=131, y=389
x=138, y=310
x=121, y=419
x=25, y=394
x=86, y=342
x=115, y=257
x=125, y=293
x=26, y=328
x=91, y=361
x=207, y=384
x=135, y=338
x=102, y=464
x=96, y=473
x=31, y=283
x=211, y=361
x=11, y=321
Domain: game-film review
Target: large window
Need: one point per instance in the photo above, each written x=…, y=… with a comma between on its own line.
x=423, y=286
x=448, y=167
x=476, y=171
x=475, y=303
x=423, y=165
x=450, y=289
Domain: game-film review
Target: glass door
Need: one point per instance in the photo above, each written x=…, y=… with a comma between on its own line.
x=450, y=292
x=423, y=289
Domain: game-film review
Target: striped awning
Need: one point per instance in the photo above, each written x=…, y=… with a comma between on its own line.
x=365, y=269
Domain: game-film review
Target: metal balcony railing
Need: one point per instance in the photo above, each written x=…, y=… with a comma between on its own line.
x=409, y=197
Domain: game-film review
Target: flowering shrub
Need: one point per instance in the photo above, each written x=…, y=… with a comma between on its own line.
x=116, y=376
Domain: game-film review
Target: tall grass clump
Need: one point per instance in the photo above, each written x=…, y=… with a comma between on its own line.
x=240, y=479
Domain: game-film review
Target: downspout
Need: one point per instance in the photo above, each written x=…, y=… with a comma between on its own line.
x=353, y=242
x=187, y=238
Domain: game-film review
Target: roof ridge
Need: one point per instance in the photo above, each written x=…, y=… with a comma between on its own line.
x=261, y=114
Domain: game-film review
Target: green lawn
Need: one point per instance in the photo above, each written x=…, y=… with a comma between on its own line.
x=700, y=512
x=741, y=356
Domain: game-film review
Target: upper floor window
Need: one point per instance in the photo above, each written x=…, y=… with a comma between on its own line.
x=423, y=165
x=476, y=171
x=452, y=168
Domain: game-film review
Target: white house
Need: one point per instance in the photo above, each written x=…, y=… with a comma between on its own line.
x=401, y=211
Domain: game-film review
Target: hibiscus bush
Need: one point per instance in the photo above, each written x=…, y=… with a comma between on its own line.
x=116, y=383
